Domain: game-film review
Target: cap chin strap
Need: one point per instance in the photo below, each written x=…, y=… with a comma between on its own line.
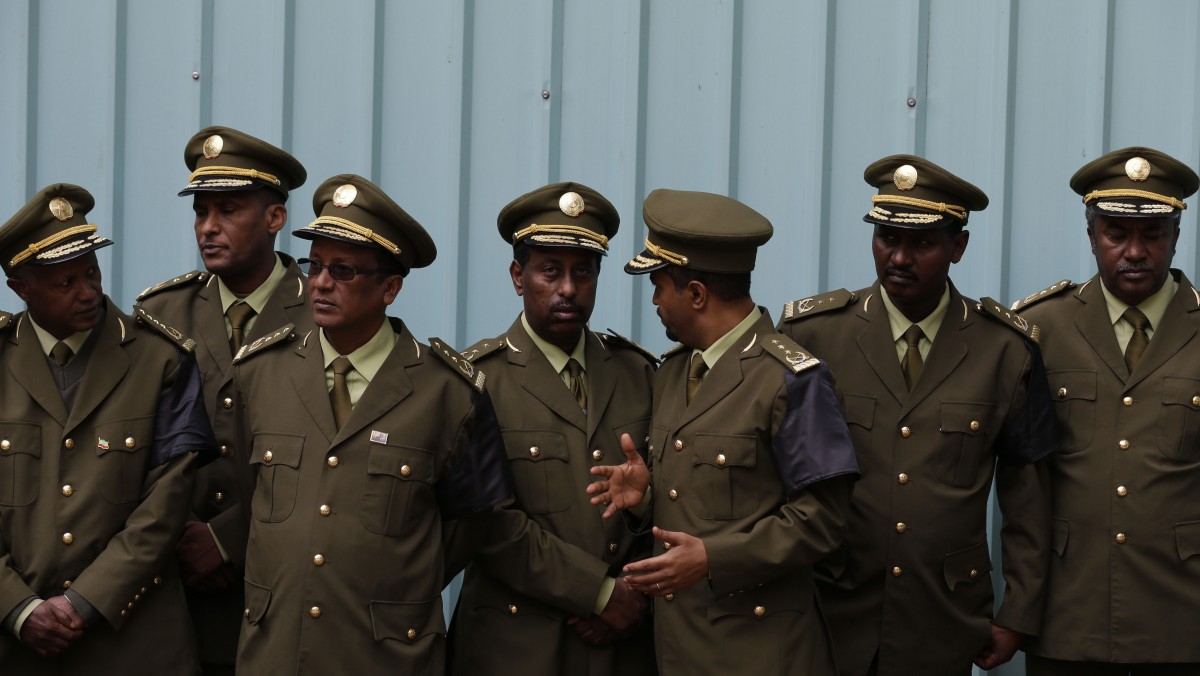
x=1130, y=192
x=940, y=207
x=33, y=249
x=666, y=255
x=233, y=171
x=575, y=230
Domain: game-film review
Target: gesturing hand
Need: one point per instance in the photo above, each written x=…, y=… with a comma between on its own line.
x=624, y=485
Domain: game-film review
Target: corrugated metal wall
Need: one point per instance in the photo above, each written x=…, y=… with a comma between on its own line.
x=457, y=107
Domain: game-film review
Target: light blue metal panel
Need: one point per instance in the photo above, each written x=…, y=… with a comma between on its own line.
x=250, y=63
x=15, y=78
x=162, y=46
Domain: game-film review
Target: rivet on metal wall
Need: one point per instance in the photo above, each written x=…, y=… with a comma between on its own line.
x=912, y=103
x=545, y=93
x=195, y=75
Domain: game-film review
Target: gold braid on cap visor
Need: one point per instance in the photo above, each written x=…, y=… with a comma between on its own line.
x=233, y=171
x=1129, y=192
x=33, y=249
x=358, y=230
x=941, y=207
x=575, y=230
x=668, y=256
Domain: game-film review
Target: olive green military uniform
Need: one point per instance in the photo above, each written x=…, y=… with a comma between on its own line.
x=1124, y=579
x=93, y=494
x=758, y=465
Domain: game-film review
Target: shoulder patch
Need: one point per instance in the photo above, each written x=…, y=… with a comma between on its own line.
x=823, y=302
x=614, y=339
x=483, y=348
x=1009, y=318
x=459, y=363
x=678, y=349
x=193, y=277
x=277, y=337
x=5, y=318
x=786, y=350
x=1052, y=290
x=186, y=344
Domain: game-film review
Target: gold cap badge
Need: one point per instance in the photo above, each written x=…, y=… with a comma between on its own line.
x=905, y=177
x=1137, y=168
x=571, y=204
x=61, y=209
x=344, y=195
x=212, y=146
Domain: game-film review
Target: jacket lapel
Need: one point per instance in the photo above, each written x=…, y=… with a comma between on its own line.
x=106, y=365
x=308, y=380
x=541, y=380
x=288, y=294
x=210, y=329
x=389, y=387
x=948, y=351
x=601, y=381
x=29, y=370
x=877, y=346
x=1097, y=329
x=727, y=374
x=1175, y=331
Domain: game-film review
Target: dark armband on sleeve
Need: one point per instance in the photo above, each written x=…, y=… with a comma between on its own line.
x=181, y=424
x=813, y=443
x=480, y=479
x=1031, y=432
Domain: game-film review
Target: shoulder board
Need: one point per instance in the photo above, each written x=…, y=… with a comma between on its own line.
x=678, y=349
x=186, y=344
x=614, y=339
x=483, y=348
x=459, y=363
x=193, y=277
x=1052, y=290
x=1009, y=318
x=276, y=337
x=5, y=318
x=786, y=350
x=824, y=302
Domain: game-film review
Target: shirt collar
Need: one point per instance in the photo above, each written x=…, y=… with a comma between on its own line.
x=256, y=299
x=1154, y=307
x=715, y=351
x=929, y=325
x=369, y=358
x=554, y=354
x=74, y=341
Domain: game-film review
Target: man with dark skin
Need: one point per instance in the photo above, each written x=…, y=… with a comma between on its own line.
x=1122, y=351
x=942, y=393
x=571, y=394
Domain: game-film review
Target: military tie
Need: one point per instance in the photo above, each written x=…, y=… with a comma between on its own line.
x=61, y=353
x=696, y=372
x=912, y=356
x=339, y=396
x=238, y=314
x=577, y=388
x=1139, y=340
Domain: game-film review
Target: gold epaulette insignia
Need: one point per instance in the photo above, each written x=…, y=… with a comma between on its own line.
x=459, y=363
x=186, y=344
x=678, y=349
x=5, y=319
x=824, y=302
x=276, y=337
x=483, y=348
x=1045, y=293
x=617, y=340
x=786, y=350
x=1009, y=318
x=195, y=276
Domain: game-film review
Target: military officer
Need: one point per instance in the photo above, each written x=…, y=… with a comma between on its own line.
x=239, y=186
x=546, y=598
x=1123, y=360
x=752, y=462
x=363, y=440
x=101, y=421
x=942, y=393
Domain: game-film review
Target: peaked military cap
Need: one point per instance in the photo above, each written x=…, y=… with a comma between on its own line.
x=699, y=231
x=352, y=209
x=51, y=228
x=560, y=214
x=223, y=159
x=1136, y=181
x=917, y=194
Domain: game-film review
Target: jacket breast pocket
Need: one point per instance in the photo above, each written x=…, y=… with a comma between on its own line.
x=541, y=470
x=860, y=409
x=276, y=457
x=1073, y=392
x=724, y=468
x=123, y=447
x=399, y=481
x=20, y=462
x=1179, y=419
x=965, y=458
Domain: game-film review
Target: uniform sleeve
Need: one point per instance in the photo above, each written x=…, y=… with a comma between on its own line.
x=1031, y=432
x=181, y=424
x=813, y=442
x=479, y=477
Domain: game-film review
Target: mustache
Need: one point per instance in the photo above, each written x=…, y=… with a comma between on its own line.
x=565, y=307
x=1129, y=267
x=892, y=271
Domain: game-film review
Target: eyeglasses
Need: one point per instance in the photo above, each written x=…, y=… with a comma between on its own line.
x=339, y=271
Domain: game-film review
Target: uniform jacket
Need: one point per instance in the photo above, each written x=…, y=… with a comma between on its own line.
x=106, y=473
x=1125, y=571
x=553, y=550
x=192, y=304
x=345, y=565
x=913, y=581
x=759, y=466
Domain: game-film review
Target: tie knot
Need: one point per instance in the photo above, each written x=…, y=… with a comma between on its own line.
x=913, y=336
x=1135, y=317
x=239, y=313
x=61, y=353
x=341, y=366
x=574, y=368
x=697, y=368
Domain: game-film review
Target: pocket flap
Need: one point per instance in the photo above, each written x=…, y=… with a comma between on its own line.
x=277, y=449
x=968, y=565
x=638, y=430
x=1185, y=391
x=763, y=601
x=403, y=462
x=20, y=437
x=258, y=599
x=720, y=450
x=860, y=409
x=1187, y=539
x=1061, y=528
x=125, y=435
x=967, y=417
x=535, y=445
x=1072, y=384
x=407, y=621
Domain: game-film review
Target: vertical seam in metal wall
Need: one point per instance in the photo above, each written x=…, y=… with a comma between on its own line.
x=554, y=132
x=31, y=98
x=921, y=93
x=461, y=295
x=206, y=83
x=735, y=97
x=638, y=289
x=120, y=89
x=287, y=118
x=1109, y=38
x=827, y=144
x=1010, y=125
x=377, y=96
x=1195, y=107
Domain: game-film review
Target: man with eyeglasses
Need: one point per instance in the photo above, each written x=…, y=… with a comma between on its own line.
x=239, y=186
x=363, y=442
